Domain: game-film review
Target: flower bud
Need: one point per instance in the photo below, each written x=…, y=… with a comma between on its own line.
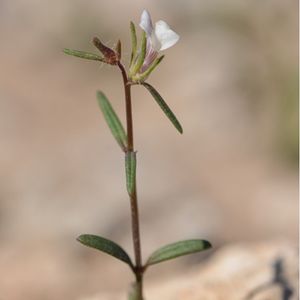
x=110, y=56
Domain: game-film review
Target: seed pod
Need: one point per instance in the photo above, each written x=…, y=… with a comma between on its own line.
x=119, y=49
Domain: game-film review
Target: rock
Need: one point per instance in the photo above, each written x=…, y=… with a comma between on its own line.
x=248, y=271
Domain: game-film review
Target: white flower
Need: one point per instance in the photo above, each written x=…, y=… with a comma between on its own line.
x=160, y=37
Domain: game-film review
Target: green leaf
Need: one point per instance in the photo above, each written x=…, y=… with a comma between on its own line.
x=133, y=42
x=130, y=167
x=83, y=54
x=106, y=246
x=163, y=105
x=112, y=120
x=141, y=56
x=177, y=249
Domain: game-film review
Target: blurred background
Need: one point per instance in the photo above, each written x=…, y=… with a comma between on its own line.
x=232, y=80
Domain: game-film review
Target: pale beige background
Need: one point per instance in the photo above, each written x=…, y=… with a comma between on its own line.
x=232, y=176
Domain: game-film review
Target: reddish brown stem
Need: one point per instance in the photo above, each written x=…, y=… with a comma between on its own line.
x=133, y=197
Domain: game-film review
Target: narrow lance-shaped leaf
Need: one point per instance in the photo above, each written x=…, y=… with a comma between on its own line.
x=83, y=54
x=163, y=105
x=112, y=120
x=130, y=167
x=177, y=249
x=133, y=42
x=106, y=246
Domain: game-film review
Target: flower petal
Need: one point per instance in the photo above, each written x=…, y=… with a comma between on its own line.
x=154, y=42
x=146, y=22
x=165, y=35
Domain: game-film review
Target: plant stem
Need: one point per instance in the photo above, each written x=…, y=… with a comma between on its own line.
x=128, y=108
x=133, y=197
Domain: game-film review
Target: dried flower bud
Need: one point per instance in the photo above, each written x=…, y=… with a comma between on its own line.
x=110, y=56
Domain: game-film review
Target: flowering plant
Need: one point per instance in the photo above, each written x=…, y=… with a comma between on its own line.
x=143, y=61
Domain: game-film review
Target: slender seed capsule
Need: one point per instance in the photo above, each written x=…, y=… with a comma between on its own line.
x=119, y=49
